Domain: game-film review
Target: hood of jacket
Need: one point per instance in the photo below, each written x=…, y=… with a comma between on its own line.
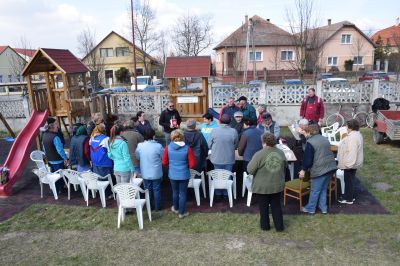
x=177, y=145
x=117, y=143
x=192, y=137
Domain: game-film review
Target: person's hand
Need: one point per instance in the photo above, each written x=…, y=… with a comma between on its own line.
x=301, y=174
x=66, y=162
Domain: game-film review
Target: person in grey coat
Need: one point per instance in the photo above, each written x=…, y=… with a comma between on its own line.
x=222, y=142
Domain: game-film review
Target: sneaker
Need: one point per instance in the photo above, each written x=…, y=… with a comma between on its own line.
x=173, y=210
x=306, y=211
x=343, y=201
x=183, y=215
x=324, y=212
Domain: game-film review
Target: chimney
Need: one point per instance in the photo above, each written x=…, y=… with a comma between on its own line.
x=246, y=18
x=329, y=21
x=267, y=19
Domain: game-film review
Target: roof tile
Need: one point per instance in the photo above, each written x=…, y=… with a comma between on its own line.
x=195, y=66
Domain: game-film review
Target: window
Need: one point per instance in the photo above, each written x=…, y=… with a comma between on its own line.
x=332, y=61
x=19, y=78
x=286, y=55
x=139, y=71
x=258, y=56
x=1, y=78
x=358, y=60
x=9, y=78
x=346, y=38
x=122, y=51
x=106, y=52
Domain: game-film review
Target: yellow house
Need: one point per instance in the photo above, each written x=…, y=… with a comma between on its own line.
x=115, y=52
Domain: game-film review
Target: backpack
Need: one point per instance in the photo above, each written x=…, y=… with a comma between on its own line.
x=4, y=175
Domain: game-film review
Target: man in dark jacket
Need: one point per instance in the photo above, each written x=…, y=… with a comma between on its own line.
x=197, y=142
x=250, y=141
x=237, y=122
x=230, y=108
x=169, y=120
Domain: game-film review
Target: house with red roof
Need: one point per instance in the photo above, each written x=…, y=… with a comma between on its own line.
x=12, y=62
x=389, y=38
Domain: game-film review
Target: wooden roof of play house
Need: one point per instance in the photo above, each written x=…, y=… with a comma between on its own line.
x=188, y=66
x=48, y=60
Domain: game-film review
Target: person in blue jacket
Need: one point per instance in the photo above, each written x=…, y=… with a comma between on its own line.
x=149, y=154
x=179, y=158
x=118, y=151
x=208, y=125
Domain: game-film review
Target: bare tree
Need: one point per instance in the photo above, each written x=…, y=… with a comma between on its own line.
x=92, y=59
x=18, y=60
x=192, y=34
x=145, y=32
x=301, y=21
x=163, y=50
x=314, y=51
x=237, y=57
x=358, y=50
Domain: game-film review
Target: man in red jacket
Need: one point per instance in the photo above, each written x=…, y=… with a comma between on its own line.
x=312, y=107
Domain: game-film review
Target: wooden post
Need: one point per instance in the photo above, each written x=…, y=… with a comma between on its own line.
x=204, y=86
x=30, y=92
x=67, y=104
x=3, y=119
x=50, y=97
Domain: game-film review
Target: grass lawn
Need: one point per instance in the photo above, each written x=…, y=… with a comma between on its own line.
x=54, y=234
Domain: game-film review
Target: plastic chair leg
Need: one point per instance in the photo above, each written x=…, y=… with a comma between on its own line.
x=69, y=190
x=41, y=189
x=234, y=186
x=53, y=188
x=83, y=189
x=148, y=206
x=139, y=213
x=119, y=216
x=230, y=197
x=102, y=197
x=211, y=195
x=93, y=193
x=243, y=186
x=203, y=184
x=342, y=185
x=197, y=195
x=249, y=194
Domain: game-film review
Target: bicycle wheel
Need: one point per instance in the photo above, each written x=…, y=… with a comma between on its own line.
x=333, y=118
x=361, y=117
x=371, y=118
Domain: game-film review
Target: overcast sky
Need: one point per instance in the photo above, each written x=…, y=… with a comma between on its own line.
x=57, y=23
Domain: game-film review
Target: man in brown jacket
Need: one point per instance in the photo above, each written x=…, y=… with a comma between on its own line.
x=350, y=158
x=134, y=138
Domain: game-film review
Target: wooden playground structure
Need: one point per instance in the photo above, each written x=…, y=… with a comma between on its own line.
x=65, y=94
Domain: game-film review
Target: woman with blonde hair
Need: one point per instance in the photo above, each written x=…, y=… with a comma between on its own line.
x=179, y=158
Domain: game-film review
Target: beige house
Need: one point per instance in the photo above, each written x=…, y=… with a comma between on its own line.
x=275, y=49
x=12, y=61
x=342, y=41
x=114, y=52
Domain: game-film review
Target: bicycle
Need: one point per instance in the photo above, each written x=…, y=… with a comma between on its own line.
x=340, y=117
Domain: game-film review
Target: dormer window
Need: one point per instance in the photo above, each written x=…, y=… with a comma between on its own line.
x=346, y=39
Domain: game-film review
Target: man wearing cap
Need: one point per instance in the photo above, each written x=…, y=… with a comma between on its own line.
x=237, y=122
x=195, y=140
x=246, y=108
x=230, y=108
x=222, y=142
x=312, y=107
x=269, y=125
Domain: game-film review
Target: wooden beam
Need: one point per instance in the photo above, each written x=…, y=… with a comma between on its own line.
x=3, y=119
x=30, y=92
x=50, y=97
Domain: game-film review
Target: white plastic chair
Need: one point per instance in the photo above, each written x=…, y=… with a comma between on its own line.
x=127, y=199
x=195, y=184
x=332, y=137
x=220, y=179
x=93, y=183
x=329, y=130
x=340, y=176
x=74, y=178
x=247, y=182
x=43, y=173
x=135, y=180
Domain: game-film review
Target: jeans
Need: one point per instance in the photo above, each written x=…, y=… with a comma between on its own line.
x=349, y=175
x=60, y=182
x=167, y=137
x=229, y=167
x=154, y=187
x=103, y=171
x=81, y=169
x=179, y=192
x=264, y=201
x=319, y=187
x=122, y=177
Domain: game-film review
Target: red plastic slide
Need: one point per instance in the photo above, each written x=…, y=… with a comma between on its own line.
x=18, y=158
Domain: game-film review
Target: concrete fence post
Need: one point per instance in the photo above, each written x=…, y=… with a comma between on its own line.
x=25, y=104
x=318, y=90
x=263, y=93
x=375, y=91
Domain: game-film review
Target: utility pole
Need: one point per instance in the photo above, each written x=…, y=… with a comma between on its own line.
x=248, y=39
x=253, y=48
x=134, y=48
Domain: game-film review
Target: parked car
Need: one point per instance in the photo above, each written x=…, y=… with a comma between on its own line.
x=143, y=82
x=371, y=75
x=336, y=81
x=254, y=83
x=112, y=90
x=293, y=82
x=324, y=76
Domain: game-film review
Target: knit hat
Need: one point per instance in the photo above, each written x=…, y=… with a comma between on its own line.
x=191, y=124
x=238, y=113
x=267, y=116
